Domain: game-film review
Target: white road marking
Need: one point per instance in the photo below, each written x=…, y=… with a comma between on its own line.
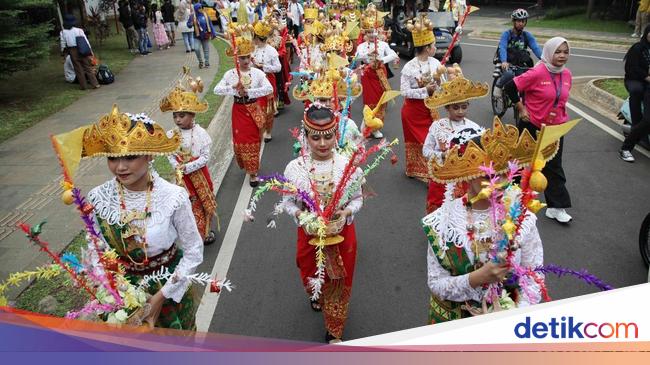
x=209, y=301
x=572, y=54
x=604, y=127
x=581, y=48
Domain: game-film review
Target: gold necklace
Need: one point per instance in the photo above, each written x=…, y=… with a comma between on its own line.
x=131, y=230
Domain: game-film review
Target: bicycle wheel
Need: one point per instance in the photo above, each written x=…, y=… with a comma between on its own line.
x=644, y=240
x=499, y=103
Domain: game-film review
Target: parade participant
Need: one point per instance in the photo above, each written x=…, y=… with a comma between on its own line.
x=322, y=168
x=191, y=161
x=463, y=264
x=140, y=215
x=279, y=41
x=374, y=55
x=547, y=88
x=203, y=33
x=416, y=84
x=324, y=94
x=313, y=57
x=266, y=58
x=455, y=129
x=246, y=84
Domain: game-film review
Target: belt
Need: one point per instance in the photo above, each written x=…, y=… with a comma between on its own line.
x=153, y=264
x=244, y=100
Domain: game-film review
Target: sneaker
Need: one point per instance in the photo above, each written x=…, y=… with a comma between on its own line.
x=626, y=156
x=559, y=214
x=497, y=71
x=200, y=64
x=634, y=35
x=207, y=65
x=496, y=92
x=377, y=134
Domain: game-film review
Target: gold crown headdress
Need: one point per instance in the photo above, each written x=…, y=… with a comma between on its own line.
x=311, y=13
x=336, y=38
x=122, y=134
x=184, y=97
x=499, y=145
x=372, y=18
x=243, y=39
x=456, y=90
x=421, y=30
x=324, y=86
x=263, y=28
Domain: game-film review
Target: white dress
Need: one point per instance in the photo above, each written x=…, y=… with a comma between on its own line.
x=450, y=224
x=298, y=173
x=259, y=84
x=386, y=54
x=195, y=140
x=441, y=133
x=413, y=75
x=268, y=57
x=171, y=220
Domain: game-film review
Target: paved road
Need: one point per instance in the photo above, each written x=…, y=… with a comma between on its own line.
x=610, y=199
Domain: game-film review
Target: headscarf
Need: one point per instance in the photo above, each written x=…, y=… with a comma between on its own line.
x=549, y=50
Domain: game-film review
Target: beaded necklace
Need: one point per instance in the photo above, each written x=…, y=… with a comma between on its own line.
x=126, y=218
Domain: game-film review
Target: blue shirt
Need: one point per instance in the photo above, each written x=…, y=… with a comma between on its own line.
x=510, y=40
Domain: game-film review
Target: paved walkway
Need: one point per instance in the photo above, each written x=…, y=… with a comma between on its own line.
x=29, y=183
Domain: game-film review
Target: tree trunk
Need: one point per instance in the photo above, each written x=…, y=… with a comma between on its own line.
x=590, y=8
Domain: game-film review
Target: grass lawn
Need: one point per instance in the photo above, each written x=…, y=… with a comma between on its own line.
x=28, y=97
x=580, y=22
x=225, y=63
x=60, y=287
x=613, y=86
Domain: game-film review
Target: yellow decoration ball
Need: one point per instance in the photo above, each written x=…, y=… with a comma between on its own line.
x=538, y=165
x=538, y=181
x=535, y=206
x=67, y=198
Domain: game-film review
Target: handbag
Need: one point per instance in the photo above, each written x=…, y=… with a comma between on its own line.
x=82, y=46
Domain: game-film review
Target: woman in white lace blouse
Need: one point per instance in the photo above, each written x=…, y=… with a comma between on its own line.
x=141, y=216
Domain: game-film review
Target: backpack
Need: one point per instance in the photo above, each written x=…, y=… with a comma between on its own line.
x=104, y=75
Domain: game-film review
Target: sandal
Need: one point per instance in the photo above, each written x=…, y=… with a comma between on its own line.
x=209, y=238
x=315, y=305
x=331, y=339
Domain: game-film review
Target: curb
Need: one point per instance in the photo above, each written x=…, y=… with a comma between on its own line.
x=220, y=130
x=605, y=100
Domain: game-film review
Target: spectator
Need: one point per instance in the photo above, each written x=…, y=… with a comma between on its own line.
x=167, y=10
x=295, y=13
x=126, y=19
x=642, y=14
x=637, y=83
x=159, y=33
x=82, y=64
x=203, y=33
x=187, y=30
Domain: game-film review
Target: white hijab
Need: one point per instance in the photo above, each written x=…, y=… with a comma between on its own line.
x=549, y=50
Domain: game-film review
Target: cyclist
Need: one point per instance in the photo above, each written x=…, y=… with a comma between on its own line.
x=513, y=48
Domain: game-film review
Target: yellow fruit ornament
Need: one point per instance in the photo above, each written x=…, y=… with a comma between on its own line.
x=537, y=180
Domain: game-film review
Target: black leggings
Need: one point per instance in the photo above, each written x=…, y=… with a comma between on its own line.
x=639, y=93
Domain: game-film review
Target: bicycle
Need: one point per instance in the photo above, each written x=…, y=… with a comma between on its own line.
x=501, y=104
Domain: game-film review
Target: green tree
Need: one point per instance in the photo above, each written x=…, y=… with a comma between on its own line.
x=23, y=43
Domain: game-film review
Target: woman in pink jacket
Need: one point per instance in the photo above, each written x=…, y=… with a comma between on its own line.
x=546, y=87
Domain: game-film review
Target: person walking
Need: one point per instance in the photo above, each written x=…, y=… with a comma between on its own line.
x=203, y=33
x=547, y=87
x=80, y=57
x=295, y=12
x=159, y=33
x=637, y=83
x=140, y=25
x=126, y=19
x=186, y=29
x=641, y=20
x=167, y=10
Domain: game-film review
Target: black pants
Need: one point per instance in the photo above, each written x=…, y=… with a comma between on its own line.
x=556, y=194
x=639, y=93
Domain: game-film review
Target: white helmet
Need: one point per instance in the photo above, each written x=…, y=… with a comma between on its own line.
x=519, y=14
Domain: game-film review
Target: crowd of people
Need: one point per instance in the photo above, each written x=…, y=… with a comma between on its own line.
x=141, y=215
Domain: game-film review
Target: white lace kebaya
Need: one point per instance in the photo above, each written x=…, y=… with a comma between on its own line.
x=450, y=223
x=442, y=131
x=171, y=219
x=268, y=57
x=198, y=141
x=384, y=52
x=259, y=84
x=412, y=73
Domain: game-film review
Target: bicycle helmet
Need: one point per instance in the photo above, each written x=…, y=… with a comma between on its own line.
x=519, y=14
